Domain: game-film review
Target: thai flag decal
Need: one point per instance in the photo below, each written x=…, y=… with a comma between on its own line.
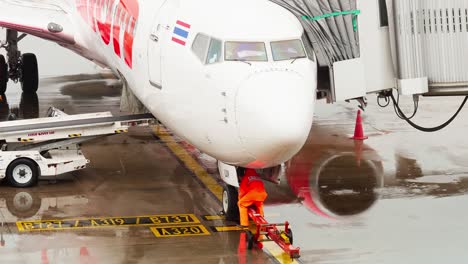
x=181, y=32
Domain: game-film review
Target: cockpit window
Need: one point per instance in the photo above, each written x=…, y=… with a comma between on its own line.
x=245, y=51
x=215, y=51
x=287, y=50
x=200, y=46
x=207, y=49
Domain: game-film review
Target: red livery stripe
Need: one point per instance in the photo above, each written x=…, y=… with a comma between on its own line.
x=182, y=24
x=176, y=40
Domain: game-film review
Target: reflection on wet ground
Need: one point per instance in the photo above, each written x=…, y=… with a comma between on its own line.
x=334, y=180
x=390, y=200
x=395, y=198
x=28, y=108
x=131, y=178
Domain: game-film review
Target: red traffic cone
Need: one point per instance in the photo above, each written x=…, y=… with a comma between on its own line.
x=358, y=130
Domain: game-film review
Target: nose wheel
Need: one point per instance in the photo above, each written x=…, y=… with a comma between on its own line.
x=230, y=198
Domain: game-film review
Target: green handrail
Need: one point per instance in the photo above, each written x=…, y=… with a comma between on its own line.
x=355, y=13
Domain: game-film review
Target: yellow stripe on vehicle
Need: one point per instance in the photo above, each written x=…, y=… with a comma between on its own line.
x=226, y=228
x=25, y=139
x=120, y=131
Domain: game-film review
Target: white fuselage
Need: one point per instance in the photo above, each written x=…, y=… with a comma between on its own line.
x=250, y=113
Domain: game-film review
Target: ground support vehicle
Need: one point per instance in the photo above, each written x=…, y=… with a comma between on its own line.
x=47, y=147
x=283, y=238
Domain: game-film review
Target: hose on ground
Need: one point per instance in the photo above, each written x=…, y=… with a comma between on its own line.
x=427, y=129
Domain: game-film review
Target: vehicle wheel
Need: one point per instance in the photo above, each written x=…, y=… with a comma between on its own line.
x=230, y=197
x=250, y=240
x=22, y=173
x=3, y=74
x=29, y=73
x=289, y=234
x=23, y=204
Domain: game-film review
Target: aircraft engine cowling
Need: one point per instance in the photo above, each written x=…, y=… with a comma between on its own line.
x=336, y=185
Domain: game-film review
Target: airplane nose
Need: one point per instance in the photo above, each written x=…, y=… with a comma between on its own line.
x=274, y=112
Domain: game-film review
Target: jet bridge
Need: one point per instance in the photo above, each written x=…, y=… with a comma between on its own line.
x=416, y=46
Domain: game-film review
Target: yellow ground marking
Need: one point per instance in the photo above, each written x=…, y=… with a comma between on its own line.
x=104, y=222
x=213, y=217
x=270, y=247
x=178, y=231
x=190, y=162
x=275, y=251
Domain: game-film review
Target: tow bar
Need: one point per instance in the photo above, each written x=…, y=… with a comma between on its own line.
x=283, y=238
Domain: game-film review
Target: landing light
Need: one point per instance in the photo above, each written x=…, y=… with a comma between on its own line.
x=54, y=28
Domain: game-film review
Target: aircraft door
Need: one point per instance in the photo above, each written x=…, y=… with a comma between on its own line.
x=159, y=37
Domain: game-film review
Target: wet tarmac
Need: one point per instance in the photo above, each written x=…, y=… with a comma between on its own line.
x=400, y=197
x=397, y=198
x=403, y=201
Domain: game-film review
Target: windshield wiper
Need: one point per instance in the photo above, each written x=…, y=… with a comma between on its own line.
x=295, y=58
x=244, y=61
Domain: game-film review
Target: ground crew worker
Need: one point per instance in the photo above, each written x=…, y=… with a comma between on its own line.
x=251, y=192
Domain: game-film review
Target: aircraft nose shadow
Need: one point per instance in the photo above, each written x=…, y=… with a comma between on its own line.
x=92, y=89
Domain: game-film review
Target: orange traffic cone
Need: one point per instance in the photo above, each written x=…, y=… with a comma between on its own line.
x=358, y=130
